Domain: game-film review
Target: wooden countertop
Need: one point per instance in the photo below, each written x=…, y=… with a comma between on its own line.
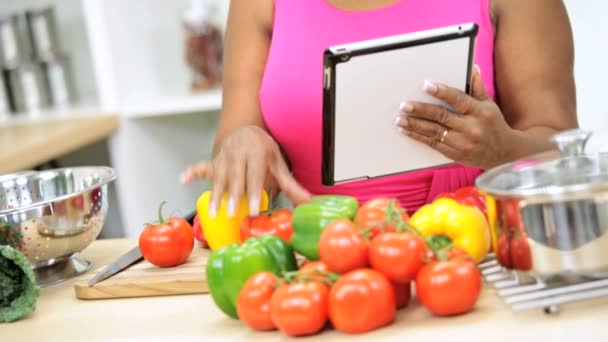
x=60, y=316
x=25, y=145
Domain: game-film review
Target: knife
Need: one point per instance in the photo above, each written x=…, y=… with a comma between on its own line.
x=131, y=257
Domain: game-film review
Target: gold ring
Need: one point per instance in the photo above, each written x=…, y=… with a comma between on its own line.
x=445, y=132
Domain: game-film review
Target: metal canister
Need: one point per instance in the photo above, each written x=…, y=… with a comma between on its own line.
x=13, y=45
x=28, y=90
x=42, y=28
x=59, y=82
x=5, y=107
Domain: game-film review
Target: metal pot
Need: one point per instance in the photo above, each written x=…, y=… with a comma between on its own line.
x=552, y=210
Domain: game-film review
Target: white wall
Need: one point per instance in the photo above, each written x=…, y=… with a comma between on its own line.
x=590, y=28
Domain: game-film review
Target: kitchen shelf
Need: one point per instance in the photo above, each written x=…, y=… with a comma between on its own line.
x=78, y=110
x=208, y=101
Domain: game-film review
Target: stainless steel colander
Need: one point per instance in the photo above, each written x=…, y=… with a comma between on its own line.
x=53, y=215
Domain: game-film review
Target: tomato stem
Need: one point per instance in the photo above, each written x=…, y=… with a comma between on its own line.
x=160, y=213
x=310, y=275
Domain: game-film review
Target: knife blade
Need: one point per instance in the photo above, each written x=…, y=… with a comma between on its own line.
x=128, y=259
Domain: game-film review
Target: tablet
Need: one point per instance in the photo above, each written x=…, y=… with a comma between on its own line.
x=364, y=83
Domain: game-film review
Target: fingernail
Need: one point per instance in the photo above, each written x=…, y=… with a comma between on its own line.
x=478, y=69
x=182, y=178
x=402, y=130
x=430, y=87
x=231, y=207
x=398, y=121
x=254, y=206
x=406, y=107
x=212, y=210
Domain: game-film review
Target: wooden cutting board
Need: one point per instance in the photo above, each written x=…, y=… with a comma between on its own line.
x=146, y=280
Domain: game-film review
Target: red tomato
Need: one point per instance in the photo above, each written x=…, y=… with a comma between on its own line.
x=372, y=215
x=341, y=247
x=198, y=232
x=300, y=309
x=398, y=256
x=521, y=256
x=277, y=223
x=167, y=243
x=253, y=304
x=77, y=202
x=309, y=271
x=449, y=287
x=452, y=253
x=403, y=294
x=503, y=254
x=468, y=195
x=361, y=301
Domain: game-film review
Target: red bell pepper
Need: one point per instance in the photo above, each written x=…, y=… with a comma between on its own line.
x=198, y=232
x=468, y=195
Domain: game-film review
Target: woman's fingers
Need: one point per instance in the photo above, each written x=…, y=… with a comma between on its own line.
x=256, y=173
x=236, y=184
x=427, y=128
x=459, y=100
x=219, y=185
x=432, y=112
x=202, y=170
x=442, y=147
x=290, y=187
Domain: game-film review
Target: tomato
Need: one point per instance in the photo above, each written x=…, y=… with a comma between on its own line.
x=372, y=215
x=452, y=253
x=253, y=304
x=300, y=309
x=398, y=256
x=77, y=202
x=449, y=287
x=362, y=300
x=521, y=256
x=342, y=248
x=167, y=243
x=503, y=253
x=277, y=223
x=308, y=271
x=198, y=232
x=403, y=294
x=468, y=195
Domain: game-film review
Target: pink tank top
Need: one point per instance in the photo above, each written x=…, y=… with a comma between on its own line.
x=291, y=90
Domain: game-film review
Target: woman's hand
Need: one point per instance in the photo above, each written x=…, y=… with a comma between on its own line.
x=475, y=134
x=247, y=159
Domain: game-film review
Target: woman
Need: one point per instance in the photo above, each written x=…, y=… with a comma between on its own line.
x=523, y=92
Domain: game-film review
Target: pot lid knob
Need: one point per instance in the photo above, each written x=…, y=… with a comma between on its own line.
x=572, y=142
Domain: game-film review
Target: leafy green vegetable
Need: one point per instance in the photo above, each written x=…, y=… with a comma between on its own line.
x=18, y=290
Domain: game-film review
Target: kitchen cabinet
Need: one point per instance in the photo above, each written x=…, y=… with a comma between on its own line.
x=127, y=58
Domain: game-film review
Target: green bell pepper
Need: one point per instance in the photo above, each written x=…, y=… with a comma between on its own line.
x=229, y=267
x=309, y=220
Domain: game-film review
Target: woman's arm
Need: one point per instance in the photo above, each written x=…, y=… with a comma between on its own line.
x=536, y=96
x=245, y=51
x=534, y=57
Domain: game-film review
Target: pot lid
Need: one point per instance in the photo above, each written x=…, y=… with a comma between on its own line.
x=565, y=171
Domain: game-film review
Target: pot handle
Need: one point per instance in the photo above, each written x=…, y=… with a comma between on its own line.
x=572, y=142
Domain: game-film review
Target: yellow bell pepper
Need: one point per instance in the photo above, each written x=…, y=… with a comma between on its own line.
x=223, y=230
x=491, y=208
x=465, y=226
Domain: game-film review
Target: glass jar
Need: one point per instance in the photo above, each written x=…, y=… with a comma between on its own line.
x=203, y=45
